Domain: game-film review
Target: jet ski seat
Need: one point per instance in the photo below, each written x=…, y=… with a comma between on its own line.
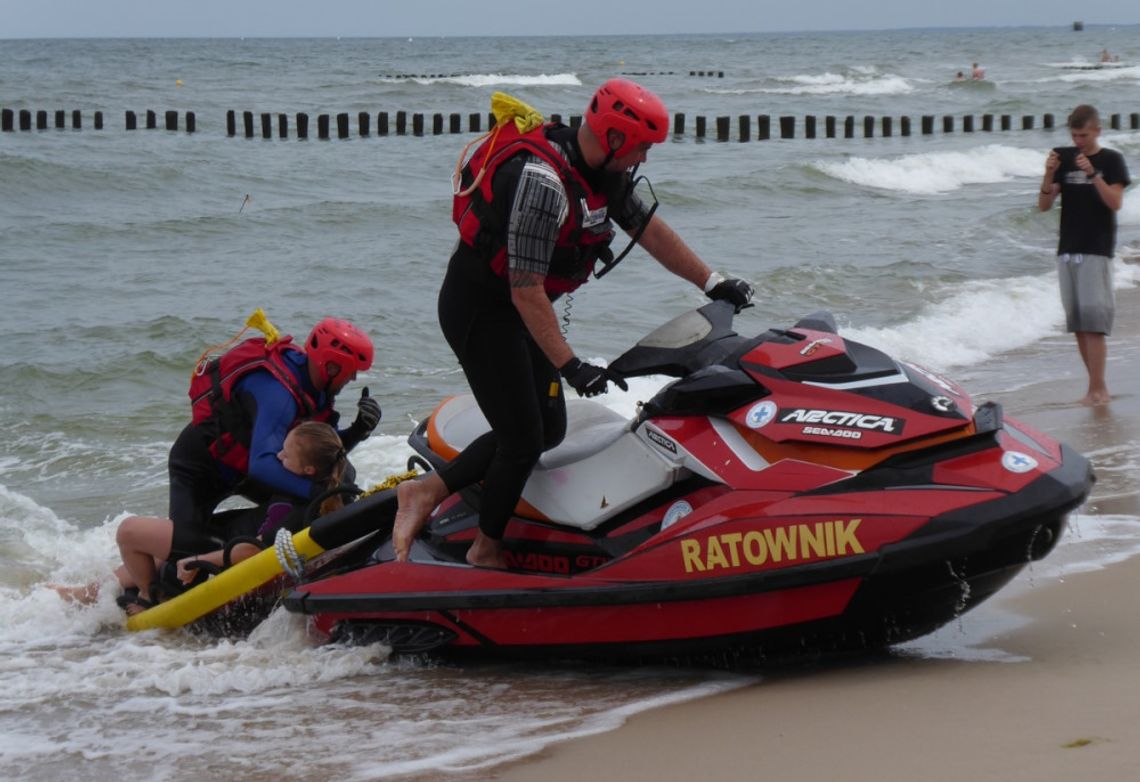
x=599, y=469
x=590, y=427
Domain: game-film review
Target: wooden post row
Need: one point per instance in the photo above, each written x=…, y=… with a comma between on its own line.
x=25, y=119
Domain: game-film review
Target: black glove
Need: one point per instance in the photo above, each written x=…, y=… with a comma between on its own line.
x=734, y=290
x=367, y=416
x=590, y=380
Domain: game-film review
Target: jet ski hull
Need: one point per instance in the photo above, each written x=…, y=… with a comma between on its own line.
x=854, y=603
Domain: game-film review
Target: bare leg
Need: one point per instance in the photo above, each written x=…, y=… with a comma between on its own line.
x=124, y=577
x=85, y=594
x=143, y=540
x=1094, y=352
x=486, y=552
x=416, y=500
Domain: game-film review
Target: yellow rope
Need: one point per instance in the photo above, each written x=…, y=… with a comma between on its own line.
x=257, y=320
x=457, y=177
x=390, y=482
x=505, y=108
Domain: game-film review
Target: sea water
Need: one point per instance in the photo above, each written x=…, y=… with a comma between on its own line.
x=124, y=254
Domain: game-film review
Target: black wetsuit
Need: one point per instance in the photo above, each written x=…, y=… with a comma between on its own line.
x=517, y=388
x=510, y=378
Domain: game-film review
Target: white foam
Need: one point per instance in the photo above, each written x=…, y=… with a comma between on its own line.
x=865, y=81
x=1127, y=73
x=1017, y=312
x=495, y=79
x=35, y=540
x=18, y=511
x=930, y=173
x=380, y=456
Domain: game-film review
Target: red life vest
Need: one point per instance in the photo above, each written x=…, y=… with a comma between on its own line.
x=217, y=413
x=584, y=236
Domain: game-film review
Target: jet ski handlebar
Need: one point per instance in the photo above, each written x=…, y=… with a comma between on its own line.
x=685, y=344
x=697, y=339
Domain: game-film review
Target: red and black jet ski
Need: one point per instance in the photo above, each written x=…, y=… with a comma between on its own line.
x=791, y=492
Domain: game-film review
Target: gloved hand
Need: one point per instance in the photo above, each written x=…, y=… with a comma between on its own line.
x=734, y=290
x=590, y=380
x=367, y=416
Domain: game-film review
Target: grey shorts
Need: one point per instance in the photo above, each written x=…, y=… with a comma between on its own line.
x=1086, y=292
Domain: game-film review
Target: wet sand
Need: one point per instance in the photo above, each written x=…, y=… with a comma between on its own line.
x=1060, y=700
x=1071, y=711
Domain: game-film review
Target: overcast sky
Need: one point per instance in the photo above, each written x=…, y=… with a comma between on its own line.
x=361, y=18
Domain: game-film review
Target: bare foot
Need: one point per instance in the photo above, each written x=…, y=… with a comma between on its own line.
x=415, y=499
x=134, y=608
x=486, y=552
x=137, y=604
x=1096, y=398
x=84, y=595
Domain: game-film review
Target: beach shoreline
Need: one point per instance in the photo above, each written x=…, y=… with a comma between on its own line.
x=1056, y=697
x=1064, y=707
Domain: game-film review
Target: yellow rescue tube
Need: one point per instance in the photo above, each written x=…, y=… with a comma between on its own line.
x=228, y=585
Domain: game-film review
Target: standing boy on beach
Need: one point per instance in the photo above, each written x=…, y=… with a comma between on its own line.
x=1091, y=182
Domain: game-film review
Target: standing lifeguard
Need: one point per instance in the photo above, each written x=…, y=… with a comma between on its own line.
x=535, y=207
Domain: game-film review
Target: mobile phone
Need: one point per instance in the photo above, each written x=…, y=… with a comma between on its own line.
x=1067, y=156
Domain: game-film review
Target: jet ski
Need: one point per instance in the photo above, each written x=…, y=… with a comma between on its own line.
x=789, y=493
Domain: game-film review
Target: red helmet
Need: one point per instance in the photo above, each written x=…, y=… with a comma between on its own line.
x=336, y=341
x=637, y=113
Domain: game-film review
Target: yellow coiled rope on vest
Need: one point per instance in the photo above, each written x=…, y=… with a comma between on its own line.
x=505, y=108
x=257, y=320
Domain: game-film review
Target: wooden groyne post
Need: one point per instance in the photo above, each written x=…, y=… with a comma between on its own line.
x=453, y=123
x=22, y=119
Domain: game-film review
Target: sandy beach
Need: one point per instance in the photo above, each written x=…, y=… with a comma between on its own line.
x=1058, y=700
x=1069, y=712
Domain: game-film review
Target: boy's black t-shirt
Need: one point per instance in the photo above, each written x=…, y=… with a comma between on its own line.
x=1088, y=226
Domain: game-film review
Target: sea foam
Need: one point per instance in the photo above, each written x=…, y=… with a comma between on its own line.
x=1018, y=312
x=931, y=173
x=865, y=81
x=491, y=79
x=1130, y=73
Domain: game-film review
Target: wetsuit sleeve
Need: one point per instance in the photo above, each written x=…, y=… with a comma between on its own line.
x=632, y=212
x=351, y=436
x=537, y=212
x=272, y=409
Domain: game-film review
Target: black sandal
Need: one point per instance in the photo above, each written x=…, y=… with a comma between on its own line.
x=130, y=597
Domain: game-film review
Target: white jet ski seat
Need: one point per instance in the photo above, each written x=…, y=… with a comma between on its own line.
x=598, y=470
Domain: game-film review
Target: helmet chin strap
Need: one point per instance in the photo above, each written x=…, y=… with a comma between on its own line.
x=610, y=156
x=611, y=149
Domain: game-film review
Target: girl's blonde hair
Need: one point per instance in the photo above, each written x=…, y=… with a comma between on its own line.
x=322, y=450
